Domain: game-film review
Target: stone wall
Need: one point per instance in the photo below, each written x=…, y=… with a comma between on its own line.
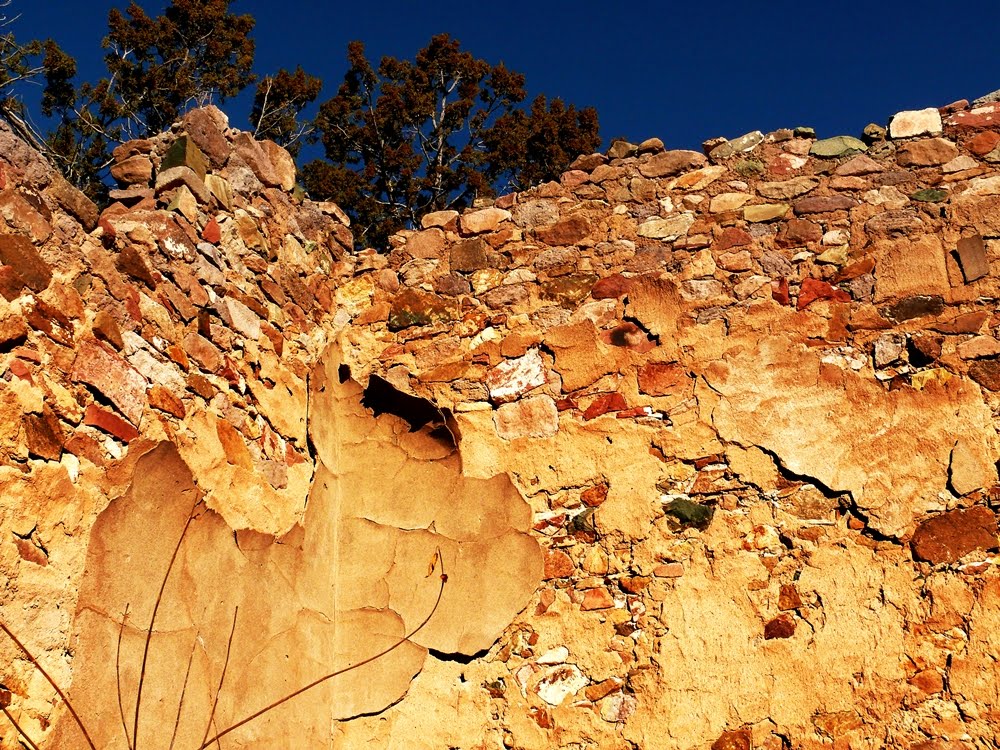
x=748, y=396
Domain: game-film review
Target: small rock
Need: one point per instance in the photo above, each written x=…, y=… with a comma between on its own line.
x=972, y=258
x=612, y=287
x=668, y=229
x=135, y=170
x=184, y=153
x=469, y=255
x=841, y=145
x=512, y=378
x=782, y=626
x=485, y=220
x=568, y=231
x=823, y=204
x=787, y=189
x=765, y=212
x=670, y=163
x=116, y=379
x=533, y=417
x=557, y=655
x=738, y=740
x=622, y=150
x=24, y=260
x=690, y=514
x=618, y=707
x=915, y=122
x=560, y=682
x=954, y=534
x=930, y=152
x=789, y=597
x=110, y=423
x=558, y=565
x=599, y=598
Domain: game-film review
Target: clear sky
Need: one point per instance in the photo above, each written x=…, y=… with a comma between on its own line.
x=682, y=71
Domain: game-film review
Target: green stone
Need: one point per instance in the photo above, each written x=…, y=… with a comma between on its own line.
x=840, y=145
x=930, y=195
x=689, y=514
x=184, y=153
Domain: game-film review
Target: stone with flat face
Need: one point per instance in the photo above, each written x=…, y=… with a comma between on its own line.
x=915, y=122
x=17, y=252
x=952, y=535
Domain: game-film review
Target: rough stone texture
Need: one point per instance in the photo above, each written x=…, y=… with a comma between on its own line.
x=953, y=535
x=708, y=450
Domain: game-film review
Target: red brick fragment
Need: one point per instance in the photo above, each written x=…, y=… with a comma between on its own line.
x=983, y=143
x=987, y=116
x=110, y=423
x=212, y=232
x=609, y=402
x=20, y=370
x=814, y=289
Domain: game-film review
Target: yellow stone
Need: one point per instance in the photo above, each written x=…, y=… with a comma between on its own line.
x=765, y=212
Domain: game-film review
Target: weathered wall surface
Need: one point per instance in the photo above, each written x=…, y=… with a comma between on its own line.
x=743, y=403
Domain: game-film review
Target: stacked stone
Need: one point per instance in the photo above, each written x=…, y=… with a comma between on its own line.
x=749, y=390
x=198, y=291
x=888, y=232
x=607, y=295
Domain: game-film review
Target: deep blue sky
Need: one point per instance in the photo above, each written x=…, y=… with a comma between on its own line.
x=682, y=71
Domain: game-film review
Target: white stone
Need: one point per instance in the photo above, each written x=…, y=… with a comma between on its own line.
x=959, y=164
x=559, y=683
x=666, y=229
x=556, y=655
x=982, y=186
x=618, y=707
x=533, y=417
x=514, y=377
x=915, y=122
x=240, y=317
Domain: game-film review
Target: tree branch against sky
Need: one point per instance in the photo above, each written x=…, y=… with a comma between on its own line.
x=411, y=136
x=435, y=133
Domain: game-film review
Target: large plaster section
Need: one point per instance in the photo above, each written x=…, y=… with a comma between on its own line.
x=389, y=514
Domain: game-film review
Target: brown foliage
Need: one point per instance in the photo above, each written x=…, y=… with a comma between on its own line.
x=433, y=133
